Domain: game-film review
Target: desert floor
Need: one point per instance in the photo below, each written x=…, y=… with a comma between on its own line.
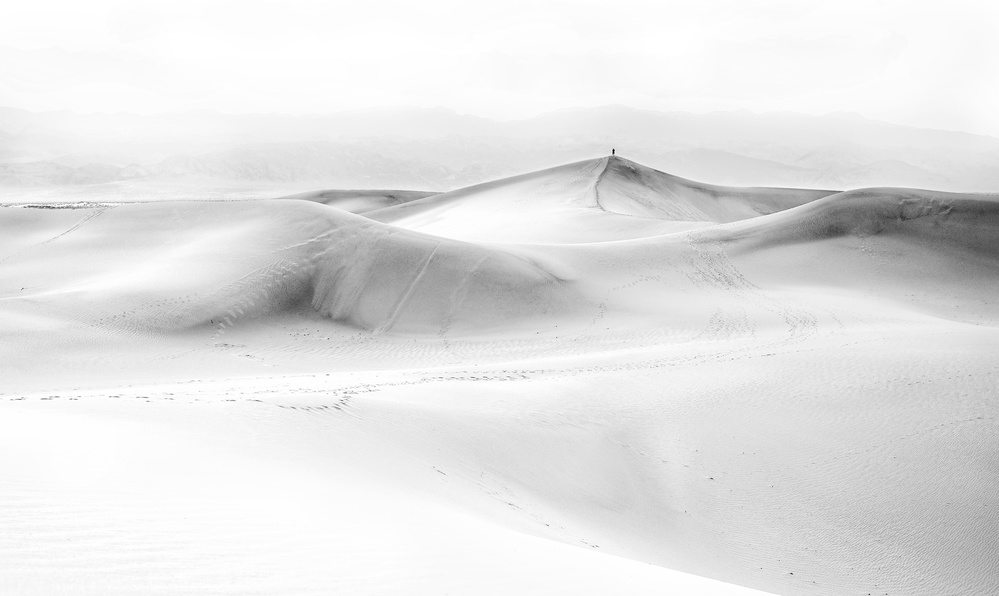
x=593, y=379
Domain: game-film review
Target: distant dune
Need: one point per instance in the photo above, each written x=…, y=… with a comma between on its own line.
x=594, y=378
x=361, y=201
x=439, y=150
x=603, y=199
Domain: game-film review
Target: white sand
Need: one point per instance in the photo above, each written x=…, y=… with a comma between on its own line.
x=592, y=379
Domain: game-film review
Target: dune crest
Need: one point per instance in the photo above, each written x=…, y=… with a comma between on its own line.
x=596, y=200
x=629, y=188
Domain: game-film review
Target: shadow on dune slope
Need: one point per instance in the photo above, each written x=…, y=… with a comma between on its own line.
x=176, y=265
x=361, y=201
x=941, y=219
x=936, y=251
x=628, y=188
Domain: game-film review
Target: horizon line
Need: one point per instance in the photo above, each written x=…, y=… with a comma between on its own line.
x=844, y=114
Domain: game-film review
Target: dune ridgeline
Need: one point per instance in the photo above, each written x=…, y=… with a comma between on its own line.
x=530, y=251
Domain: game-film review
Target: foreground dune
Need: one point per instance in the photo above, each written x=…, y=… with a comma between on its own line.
x=592, y=379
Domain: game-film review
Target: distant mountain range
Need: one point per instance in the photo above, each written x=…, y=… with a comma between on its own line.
x=439, y=150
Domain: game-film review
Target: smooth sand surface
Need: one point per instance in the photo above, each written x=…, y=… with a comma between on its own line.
x=594, y=379
x=589, y=201
x=361, y=201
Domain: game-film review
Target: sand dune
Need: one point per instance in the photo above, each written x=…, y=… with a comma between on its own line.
x=936, y=252
x=362, y=201
x=596, y=200
x=172, y=266
x=592, y=379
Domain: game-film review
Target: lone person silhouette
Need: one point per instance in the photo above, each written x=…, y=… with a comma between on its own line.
x=612, y=152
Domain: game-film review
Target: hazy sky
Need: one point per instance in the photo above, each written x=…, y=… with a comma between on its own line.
x=926, y=64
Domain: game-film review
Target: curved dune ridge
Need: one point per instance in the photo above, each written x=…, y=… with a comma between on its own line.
x=934, y=217
x=629, y=188
x=171, y=266
x=361, y=201
x=597, y=378
x=596, y=200
x=937, y=252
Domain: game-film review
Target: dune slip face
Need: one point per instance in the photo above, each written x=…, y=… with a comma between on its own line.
x=597, y=378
